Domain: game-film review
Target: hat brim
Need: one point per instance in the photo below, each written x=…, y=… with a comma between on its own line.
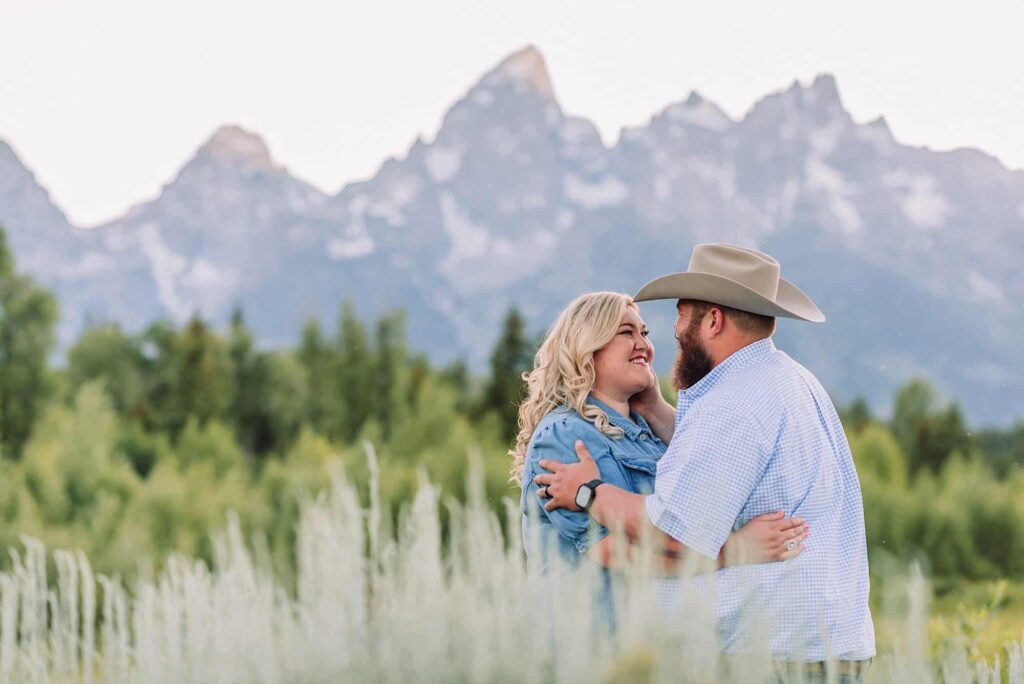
x=790, y=302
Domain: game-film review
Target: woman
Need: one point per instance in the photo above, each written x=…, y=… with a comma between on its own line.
x=592, y=361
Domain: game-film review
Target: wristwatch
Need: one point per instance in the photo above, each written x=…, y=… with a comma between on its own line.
x=586, y=493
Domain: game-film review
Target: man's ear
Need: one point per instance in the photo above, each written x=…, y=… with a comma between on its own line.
x=715, y=319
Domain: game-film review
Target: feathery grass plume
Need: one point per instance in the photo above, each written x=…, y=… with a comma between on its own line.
x=374, y=605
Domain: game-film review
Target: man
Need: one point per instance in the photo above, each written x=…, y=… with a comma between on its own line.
x=753, y=432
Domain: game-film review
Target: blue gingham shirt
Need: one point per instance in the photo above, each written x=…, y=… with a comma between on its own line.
x=757, y=435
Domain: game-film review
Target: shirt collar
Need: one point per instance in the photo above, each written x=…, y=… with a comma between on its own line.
x=632, y=428
x=740, y=358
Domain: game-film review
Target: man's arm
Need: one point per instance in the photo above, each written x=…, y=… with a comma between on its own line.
x=764, y=538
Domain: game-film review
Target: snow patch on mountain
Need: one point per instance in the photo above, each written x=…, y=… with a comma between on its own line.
x=607, y=192
x=204, y=276
x=715, y=174
x=823, y=139
x=92, y=264
x=340, y=249
x=483, y=98
x=821, y=176
x=165, y=265
x=404, y=190
x=983, y=287
x=442, y=163
x=356, y=242
x=922, y=204
x=388, y=212
x=468, y=239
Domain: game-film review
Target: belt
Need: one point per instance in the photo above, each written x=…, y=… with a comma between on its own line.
x=850, y=668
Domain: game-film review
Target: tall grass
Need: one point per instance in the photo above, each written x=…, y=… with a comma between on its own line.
x=376, y=602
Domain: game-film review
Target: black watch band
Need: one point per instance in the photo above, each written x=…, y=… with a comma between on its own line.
x=592, y=486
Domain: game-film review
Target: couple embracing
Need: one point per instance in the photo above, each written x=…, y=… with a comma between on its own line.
x=748, y=463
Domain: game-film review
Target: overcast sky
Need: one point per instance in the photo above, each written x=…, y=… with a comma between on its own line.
x=105, y=100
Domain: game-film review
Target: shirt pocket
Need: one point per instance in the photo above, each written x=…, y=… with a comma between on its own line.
x=640, y=471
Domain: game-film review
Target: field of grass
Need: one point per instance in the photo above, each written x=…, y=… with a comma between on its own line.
x=381, y=602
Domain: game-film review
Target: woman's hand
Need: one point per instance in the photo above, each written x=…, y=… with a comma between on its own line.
x=766, y=538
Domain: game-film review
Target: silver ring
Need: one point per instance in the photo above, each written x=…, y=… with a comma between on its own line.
x=791, y=544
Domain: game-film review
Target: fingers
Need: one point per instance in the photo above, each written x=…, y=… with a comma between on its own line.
x=550, y=506
x=582, y=453
x=783, y=537
x=544, y=479
x=780, y=523
x=554, y=466
x=788, y=554
x=791, y=523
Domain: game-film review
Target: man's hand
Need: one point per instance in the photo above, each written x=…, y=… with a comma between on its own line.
x=565, y=478
x=649, y=399
x=659, y=414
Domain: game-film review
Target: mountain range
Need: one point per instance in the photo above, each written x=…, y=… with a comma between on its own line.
x=913, y=254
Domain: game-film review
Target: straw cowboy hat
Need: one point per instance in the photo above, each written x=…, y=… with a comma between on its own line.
x=737, y=277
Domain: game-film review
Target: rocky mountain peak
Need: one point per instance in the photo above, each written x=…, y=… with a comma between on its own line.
x=525, y=68
x=232, y=144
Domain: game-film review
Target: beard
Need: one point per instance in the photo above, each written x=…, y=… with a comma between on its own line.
x=693, y=362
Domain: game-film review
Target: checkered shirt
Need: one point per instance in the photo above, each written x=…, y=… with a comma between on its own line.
x=757, y=435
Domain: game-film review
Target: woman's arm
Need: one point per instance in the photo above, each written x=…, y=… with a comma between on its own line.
x=764, y=539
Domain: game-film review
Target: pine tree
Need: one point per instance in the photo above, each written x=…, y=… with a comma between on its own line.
x=512, y=356
x=389, y=374
x=319, y=362
x=352, y=374
x=204, y=374
x=928, y=432
x=245, y=400
x=28, y=314
x=857, y=415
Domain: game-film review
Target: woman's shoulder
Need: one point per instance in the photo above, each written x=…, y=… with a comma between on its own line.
x=559, y=420
x=562, y=427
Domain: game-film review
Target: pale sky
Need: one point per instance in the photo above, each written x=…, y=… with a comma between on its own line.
x=105, y=100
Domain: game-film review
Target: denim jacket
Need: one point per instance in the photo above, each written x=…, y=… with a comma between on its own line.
x=628, y=462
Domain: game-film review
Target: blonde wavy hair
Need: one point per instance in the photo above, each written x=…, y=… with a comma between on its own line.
x=563, y=369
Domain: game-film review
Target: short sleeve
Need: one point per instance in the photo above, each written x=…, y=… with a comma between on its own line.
x=715, y=460
x=557, y=442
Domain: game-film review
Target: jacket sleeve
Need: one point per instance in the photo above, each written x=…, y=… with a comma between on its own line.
x=557, y=442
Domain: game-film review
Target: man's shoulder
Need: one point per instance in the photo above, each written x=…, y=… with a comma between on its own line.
x=765, y=376
x=763, y=392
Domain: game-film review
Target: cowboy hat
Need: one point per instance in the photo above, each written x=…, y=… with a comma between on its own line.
x=736, y=277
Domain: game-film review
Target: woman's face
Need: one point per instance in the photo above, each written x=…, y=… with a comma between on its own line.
x=623, y=366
